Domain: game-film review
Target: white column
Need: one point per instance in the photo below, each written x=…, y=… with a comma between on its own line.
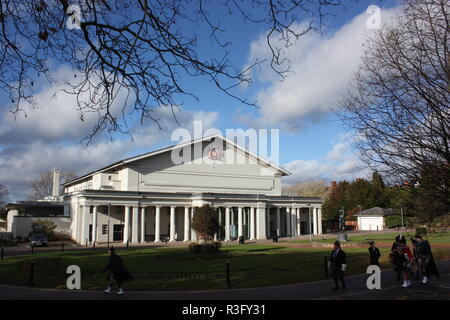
x=314, y=210
x=85, y=224
x=293, y=222
x=288, y=222
x=157, y=224
x=220, y=221
x=261, y=222
x=135, y=226
x=239, y=221
x=267, y=212
x=186, y=224
x=320, y=220
x=94, y=224
x=278, y=222
x=126, y=231
x=193, y=232
x=172, y=224
x=143, y=225
x=252, y=223
x=227, y=223
x=299, y=221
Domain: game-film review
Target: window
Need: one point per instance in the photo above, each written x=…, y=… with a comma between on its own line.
x=104, y=229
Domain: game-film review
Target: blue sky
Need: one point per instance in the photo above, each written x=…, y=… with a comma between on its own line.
x=312, y=143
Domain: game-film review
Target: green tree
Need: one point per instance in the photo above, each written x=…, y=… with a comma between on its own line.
x=335, y=201
x=206, y=222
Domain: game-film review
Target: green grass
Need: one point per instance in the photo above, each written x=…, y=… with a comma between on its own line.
x=438, y=237
x=177, y=269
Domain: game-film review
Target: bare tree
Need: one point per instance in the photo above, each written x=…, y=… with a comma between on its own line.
x=42, y=187
x=144, y=51
x=399, y=102
x=308, y=189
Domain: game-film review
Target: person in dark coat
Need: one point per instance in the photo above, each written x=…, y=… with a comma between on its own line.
x=117, y=272
x=338, y=265
x=416, y=257
x=395, y=257
x=425, y=259
x=374, y=253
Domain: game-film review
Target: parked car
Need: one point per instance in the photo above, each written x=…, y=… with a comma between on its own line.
x=39, y=240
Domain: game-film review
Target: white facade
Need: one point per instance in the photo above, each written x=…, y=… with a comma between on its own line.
x=371, y=223
x=151, y=198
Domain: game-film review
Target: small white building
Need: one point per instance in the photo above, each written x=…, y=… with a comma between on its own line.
x=372, y=219
x=154, y=196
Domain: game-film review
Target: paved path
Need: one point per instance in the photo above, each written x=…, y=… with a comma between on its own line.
x=438, y=289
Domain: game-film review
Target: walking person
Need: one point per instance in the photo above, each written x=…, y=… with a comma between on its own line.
x=395, y=258
x=338, y=265
x=425, y=259
x=117, y=272
x=374, y=254
x=408, y=262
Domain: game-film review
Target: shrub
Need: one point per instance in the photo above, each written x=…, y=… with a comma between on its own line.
x=60, y=236
x=206, y=222
x=205, y=248
x=46, y=227
x=195, y=248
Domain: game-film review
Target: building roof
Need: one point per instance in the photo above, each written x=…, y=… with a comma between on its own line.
x=375, y=211
x=170, y=148
x=42, y=204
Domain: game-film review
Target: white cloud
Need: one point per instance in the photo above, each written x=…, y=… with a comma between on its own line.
x=55, y=117
x=50, y=138
x=321, y=67
x=339, y=163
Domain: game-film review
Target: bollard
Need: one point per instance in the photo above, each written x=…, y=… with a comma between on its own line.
x=93, y=245
x=228, y=274
x=32, y=248
x=3, y=252
x=31, y=273
x=127, y=244
x=86, y=242
x=325, y=266
x=62, y=246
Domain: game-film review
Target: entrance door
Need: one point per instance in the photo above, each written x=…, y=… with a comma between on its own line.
x=118, y=232
x=90, y=233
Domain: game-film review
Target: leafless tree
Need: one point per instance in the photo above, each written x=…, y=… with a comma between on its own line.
x=308, y=189
x=42, y=187
x=144, y=51
x=399, y=102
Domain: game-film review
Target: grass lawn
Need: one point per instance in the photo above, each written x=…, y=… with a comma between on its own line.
x=176, y=269
x=438, y=237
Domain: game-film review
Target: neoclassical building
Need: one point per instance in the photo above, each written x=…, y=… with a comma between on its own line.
x=154, y=196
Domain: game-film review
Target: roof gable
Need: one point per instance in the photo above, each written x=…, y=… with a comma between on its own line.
x=130, y=160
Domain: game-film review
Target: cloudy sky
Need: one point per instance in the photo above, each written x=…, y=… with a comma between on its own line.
x=312, y=144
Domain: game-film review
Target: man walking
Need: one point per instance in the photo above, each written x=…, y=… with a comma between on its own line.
x=374, y=254
x=117, y=272
x=425, y=257
x=338, y=265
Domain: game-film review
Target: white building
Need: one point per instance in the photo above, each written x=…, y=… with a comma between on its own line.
x=150, y=198
x=372, y=219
